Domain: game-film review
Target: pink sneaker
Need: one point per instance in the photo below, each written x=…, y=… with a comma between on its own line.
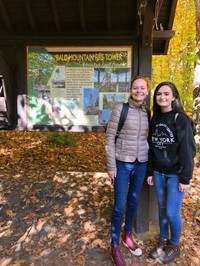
x=128, y=241
x=117, y=256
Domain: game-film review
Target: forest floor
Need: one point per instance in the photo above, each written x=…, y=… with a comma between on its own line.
x=56, y=204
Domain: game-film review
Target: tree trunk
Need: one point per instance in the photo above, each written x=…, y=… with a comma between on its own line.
x=196, y=94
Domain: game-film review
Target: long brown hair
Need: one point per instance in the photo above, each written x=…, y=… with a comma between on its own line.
x=176, y=104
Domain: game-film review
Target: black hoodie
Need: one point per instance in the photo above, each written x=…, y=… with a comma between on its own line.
x=172, y=146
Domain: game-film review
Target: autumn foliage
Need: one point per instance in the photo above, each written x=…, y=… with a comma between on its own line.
x=56, y=203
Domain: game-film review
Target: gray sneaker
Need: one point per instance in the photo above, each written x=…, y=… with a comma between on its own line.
x=171, y=252
x=159, y=249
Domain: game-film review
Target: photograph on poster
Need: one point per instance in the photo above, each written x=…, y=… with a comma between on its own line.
x=104, y=116
x=91, y=120
x=112, y=79
x=91, y=101
x=58, y=77
x=40, y=88
x=111, y=99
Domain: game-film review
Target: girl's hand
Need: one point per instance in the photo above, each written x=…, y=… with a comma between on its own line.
x=183, y=187
x=112, y=176
x=150, y=180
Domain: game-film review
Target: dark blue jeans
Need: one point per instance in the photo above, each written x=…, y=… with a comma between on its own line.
x=169, y=206
x=127, y=188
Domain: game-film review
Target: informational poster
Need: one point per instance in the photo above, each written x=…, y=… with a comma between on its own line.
x=75, y=86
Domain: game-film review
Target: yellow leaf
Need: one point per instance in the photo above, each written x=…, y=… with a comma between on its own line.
x=80, y=260
x=19, y=262
x=10, y=213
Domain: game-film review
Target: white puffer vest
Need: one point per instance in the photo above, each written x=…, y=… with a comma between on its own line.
x=132, y=140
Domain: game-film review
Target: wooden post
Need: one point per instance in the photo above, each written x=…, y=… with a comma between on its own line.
x=145, y=51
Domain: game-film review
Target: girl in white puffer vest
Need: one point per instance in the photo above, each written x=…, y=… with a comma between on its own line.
x=127, y=162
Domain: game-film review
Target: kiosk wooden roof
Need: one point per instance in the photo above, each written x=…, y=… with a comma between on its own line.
x=88, y=22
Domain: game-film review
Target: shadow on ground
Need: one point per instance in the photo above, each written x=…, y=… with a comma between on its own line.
x=61, y=219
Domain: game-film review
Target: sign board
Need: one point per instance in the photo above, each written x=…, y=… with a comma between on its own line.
x=75, y=86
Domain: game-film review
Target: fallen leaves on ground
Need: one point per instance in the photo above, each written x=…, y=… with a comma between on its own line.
x=56, y=203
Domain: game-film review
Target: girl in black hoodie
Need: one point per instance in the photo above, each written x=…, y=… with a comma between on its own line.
x=170, y=167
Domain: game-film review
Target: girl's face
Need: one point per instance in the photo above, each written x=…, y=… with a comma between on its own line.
x=139, y=91
x=164, y=98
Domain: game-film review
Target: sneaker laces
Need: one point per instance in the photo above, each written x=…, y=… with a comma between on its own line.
x=170, y=249
x=161, y=243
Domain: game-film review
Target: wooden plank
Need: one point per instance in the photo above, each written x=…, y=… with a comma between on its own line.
x=55, y=14
x=30, y=15
x=163, y=34
x=82, y=15
x=148, y=23
x=142, y=216
x=5, y=17
x=108, y=14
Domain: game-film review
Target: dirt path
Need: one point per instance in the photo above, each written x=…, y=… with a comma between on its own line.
x=65, y=220
x=50, y=215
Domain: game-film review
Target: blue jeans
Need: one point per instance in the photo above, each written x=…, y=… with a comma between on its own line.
x=169, y=205
x=127, y=187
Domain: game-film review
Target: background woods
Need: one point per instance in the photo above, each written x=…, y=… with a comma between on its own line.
x=182, y=63
x=197, y=80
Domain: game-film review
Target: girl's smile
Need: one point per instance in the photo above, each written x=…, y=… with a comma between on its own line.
x=164, y=98
x=139, y=90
